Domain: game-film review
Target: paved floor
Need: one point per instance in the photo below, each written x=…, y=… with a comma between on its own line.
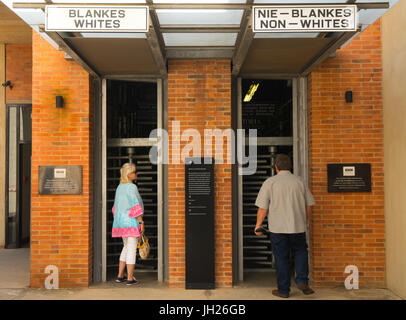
x=14, y=268
x=14, y=282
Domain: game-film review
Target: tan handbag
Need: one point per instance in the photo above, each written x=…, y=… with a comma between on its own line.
x=143, y=247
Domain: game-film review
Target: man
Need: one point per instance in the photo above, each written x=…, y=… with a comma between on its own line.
x=287, y=202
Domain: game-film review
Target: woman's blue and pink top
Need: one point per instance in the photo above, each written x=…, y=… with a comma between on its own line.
x=127, y=207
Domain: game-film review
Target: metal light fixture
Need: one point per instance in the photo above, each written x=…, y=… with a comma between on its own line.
x=348, y=97
x=7, y=84
x=251, y=91
x=59, y=101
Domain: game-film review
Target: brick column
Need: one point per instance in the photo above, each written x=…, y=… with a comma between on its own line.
x=61, y=225
x=199, y=97
x=349, y=228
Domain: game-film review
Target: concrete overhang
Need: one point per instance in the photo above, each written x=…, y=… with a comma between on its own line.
x=12, y=28
x=146, y=54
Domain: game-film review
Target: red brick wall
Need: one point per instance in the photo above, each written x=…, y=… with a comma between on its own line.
x=61, y=225
x=19, y=71
x=348, y=229
x=199, y=96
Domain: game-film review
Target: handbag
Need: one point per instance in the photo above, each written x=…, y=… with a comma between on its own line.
x=143, y=247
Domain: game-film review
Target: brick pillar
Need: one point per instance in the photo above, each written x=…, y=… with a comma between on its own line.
x=61, y=225
x=199, y=97
x=348, y=228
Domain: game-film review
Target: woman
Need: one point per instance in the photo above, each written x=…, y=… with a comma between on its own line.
x=128, y=211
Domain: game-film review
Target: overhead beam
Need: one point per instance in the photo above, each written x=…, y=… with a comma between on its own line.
x=327, y=52
x=230, y=6
x=244, y=40
x=199, y=53
x=156, y=41
x=68, y=50
x=200, y=29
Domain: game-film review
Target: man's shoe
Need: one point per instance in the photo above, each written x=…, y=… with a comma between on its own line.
x=305, y=289
x=278, y=294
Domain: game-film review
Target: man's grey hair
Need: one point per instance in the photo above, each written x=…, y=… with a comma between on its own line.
x=283, y=162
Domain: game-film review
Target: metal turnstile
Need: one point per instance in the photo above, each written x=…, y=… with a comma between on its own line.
x=257, y=251
x=147, y=187
x=132, y=113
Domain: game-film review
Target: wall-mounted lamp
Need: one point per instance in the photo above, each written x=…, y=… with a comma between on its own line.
x=7, y=84
x=59, y=101
x=348, y=96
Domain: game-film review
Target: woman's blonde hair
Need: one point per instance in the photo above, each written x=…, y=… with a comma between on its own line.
x=125, y=170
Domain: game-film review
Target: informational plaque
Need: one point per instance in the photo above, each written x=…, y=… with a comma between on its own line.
x=60, y=180
x=199, y=204
x=349, y=177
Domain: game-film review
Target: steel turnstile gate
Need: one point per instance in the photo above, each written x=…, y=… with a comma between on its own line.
x=132, y=111
x=147, y=186
x=257, y=251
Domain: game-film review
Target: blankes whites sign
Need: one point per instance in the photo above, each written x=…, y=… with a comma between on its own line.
x=338, y=18
x=96, y=18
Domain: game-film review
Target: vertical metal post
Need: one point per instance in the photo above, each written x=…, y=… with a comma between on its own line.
x=296, y=138
x=104, y=179
x=240, y=191
x=304, y=145
x=160, y=188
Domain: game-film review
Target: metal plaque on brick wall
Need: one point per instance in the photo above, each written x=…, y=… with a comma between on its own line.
x=353, y=177
x=60, y=180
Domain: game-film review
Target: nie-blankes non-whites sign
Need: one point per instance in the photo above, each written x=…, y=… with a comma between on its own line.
x=298, y=18
x=97, y=18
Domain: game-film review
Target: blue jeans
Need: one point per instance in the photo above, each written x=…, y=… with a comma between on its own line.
x=282, y=243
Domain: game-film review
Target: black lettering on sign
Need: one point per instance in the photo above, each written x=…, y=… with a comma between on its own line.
x=79, y=23
x=263, y=14
x=72, y=13
x=347, y=13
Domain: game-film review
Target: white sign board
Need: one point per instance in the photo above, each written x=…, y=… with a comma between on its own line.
x=96, y=18
x=338, y=18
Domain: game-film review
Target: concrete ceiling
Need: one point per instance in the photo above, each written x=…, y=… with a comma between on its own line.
x=12, y=28
x=277, y=56
x=116, y=56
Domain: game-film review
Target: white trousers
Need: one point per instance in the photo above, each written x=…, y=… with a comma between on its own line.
x=129, y=252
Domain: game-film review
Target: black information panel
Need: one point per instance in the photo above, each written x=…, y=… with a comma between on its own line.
x=199, y=204
x=351, y=177
x=60, y=180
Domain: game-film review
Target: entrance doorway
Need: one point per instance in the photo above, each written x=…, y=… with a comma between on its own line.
x=18, y=185
x=276, y=108
x=132, y=111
